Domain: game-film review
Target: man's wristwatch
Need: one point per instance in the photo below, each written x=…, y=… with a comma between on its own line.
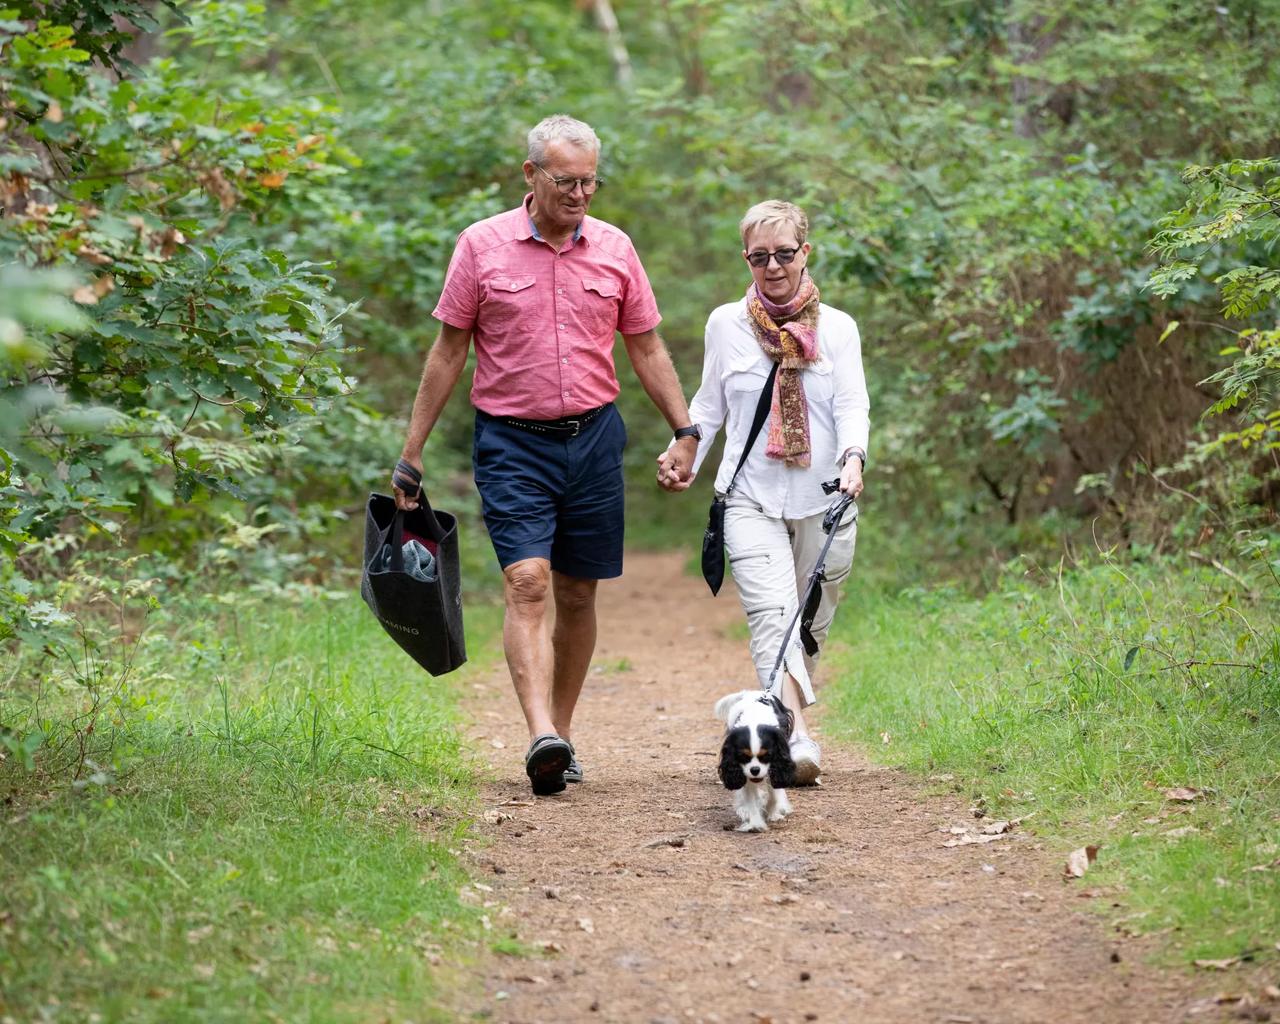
x=691, y=431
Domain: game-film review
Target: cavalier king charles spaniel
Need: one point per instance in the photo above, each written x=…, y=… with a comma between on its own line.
x=755, y=760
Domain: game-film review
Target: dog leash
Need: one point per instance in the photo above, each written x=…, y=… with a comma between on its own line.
x=829, y=523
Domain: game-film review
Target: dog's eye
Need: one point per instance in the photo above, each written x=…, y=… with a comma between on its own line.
x=744, y=754
x=763, y=756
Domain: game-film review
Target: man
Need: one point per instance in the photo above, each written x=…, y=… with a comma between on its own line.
x=543, y=288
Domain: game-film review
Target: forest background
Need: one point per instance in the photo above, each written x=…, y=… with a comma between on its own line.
x=225, y=225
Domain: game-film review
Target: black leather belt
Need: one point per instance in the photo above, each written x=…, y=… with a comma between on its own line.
x=568, y=426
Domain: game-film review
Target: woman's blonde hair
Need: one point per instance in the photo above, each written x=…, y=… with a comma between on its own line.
x=775, y=212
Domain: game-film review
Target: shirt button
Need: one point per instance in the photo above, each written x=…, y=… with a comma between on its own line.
x=566, y=394
x=559, y=291
x=565, y=359
x=562, y=327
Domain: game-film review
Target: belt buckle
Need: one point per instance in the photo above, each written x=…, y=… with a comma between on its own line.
x=576, y=425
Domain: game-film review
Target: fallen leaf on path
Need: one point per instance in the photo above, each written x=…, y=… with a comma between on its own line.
x=676, y=841
x=1078, y=861
x=550, y=946
x=587, y=925
x=1183, y=794
x=997, y=828
x=970, y=838
x=786, y=897
x=495, y=817
x=499, y=744
x=1217, y=965
x=531, y=979
x=516, y=801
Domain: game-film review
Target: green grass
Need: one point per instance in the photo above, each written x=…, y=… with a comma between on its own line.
x=1081, y=698
x=265, y=828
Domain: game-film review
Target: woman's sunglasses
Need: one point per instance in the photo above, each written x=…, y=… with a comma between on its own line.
x=759, y=258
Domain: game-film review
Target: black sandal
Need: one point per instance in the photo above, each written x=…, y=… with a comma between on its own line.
x=545, y=763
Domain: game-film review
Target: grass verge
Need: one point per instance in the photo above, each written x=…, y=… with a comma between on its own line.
x=262, y=825
x=1084, y=697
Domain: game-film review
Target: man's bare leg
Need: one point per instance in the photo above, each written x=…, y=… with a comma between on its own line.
x=526, y=640
x=573, y=643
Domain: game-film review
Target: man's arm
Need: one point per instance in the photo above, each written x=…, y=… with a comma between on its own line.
x=652, y=363
x=444, y=366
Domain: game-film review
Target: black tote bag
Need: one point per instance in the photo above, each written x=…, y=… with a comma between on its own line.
x=424, y=618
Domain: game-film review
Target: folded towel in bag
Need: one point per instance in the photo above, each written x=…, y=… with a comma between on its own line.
x=418, y=561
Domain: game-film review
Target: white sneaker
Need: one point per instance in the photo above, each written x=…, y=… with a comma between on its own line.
x=807, y=756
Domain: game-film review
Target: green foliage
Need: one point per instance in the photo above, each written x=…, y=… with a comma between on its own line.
x=1234, y=207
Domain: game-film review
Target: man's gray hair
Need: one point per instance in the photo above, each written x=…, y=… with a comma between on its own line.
x=775, y=212
x=560, y=128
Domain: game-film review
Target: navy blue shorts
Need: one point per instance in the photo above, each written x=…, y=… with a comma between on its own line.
x=554, y=498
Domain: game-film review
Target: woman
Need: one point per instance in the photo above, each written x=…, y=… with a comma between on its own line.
x=816, y=431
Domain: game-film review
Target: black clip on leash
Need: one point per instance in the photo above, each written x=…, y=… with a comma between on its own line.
x=829, y=523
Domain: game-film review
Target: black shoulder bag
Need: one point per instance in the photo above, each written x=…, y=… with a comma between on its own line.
x=713, y=538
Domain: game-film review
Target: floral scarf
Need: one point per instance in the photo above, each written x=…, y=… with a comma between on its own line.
x=789, y=336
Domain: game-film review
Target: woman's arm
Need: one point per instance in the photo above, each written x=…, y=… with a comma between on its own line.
x=852, y=405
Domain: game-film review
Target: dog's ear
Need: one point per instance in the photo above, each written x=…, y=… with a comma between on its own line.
x=786, y=720
x=782, y=770
x=730, y=771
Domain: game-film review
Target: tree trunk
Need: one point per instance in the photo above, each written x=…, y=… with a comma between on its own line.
x=608, y=23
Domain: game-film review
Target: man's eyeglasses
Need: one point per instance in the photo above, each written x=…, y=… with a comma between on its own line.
x=760, y=258
x=566, y=185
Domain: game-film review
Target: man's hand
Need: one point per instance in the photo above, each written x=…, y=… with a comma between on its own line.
x=851, y=476
x=675, y=465
x=406, y=491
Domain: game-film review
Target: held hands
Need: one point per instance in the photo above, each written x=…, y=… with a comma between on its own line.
x=675, y=465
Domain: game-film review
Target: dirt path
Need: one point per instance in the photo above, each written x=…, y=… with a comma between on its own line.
x=851, y=910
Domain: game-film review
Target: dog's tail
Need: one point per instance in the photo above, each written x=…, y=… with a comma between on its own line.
x=725, y=704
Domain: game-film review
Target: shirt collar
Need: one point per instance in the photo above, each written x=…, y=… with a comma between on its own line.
x=533, y=228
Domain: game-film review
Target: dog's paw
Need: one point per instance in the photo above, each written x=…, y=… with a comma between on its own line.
x=780, y=813
x=753, y=825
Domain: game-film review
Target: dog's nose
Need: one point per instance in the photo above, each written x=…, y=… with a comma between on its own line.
x=755, y=769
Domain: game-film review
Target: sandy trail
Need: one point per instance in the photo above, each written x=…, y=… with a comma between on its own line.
x=850, y=910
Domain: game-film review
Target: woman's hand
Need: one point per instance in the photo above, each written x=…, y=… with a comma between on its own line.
x=675, y=472
x=851, y=476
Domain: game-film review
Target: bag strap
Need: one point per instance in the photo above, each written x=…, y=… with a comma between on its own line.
x=762, y=412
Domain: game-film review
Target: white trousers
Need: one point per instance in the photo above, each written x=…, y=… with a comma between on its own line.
x=771, y=561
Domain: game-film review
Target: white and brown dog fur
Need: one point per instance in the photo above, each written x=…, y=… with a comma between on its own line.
x=755, y=759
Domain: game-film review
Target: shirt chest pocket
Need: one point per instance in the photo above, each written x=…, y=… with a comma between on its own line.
x=819, y=385
x=600, y=303
x=510, y=301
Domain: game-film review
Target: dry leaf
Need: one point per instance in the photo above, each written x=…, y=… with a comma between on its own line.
x=94, y=255
x=54, y=112
x=587, y=925
x=274, y=179
x=497, y=817
x=997, y=828
x=1178, y=833
x=550, y=946
x=216, y=184
x=499, y=744
x=1217, y=965
x=1184, y=794
x=254, y=127
x=531, y=979
x=970, y=838
x=1078, y=861
x=310, y=142
x=885, y=738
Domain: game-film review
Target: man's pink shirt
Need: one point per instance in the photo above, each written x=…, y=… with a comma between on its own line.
x=544, y=321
